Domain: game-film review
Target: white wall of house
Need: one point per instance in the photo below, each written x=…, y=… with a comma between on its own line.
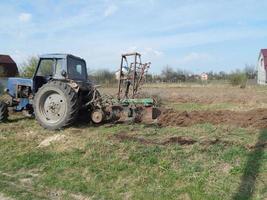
x=261, y=71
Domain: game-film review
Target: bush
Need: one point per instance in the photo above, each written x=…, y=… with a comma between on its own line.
x=104, y=76
x=238, y=79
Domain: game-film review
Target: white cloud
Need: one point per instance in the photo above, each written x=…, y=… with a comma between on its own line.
x=131, y=49
x=18, y=56
x=110, y=10
x=153, y=52
x=25, y=17
x=196, y=58
x=147, y=51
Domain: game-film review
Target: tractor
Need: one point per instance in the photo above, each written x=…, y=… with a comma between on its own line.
x=60, y=91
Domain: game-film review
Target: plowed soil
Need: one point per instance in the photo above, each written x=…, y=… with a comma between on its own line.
x=254, y=118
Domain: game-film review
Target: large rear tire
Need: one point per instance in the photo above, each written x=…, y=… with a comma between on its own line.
x=3, y=111
x=56, y=105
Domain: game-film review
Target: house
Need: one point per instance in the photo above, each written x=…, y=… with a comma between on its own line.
x=262, y=67
x=204, y=76
x=8, y=67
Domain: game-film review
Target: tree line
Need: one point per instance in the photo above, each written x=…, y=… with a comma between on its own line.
x=167, y=75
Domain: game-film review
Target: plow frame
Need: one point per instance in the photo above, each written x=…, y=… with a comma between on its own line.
x=135, y=76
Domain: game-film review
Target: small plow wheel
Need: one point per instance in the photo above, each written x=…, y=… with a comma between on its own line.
x=97, y=116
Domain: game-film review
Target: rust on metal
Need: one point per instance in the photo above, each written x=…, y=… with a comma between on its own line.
x=131, y=75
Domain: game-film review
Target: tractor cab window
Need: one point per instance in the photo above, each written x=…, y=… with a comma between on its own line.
x=76, y=69
x=46, y=68
x=58, y=68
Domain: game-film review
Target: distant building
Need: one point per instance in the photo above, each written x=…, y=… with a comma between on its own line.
x=262, y=67
x=204, y=77
x=8, y=67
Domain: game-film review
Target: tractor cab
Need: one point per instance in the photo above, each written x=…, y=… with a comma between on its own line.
x=59, y=67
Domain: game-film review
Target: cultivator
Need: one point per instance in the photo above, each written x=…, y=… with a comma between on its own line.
x=127, y=107
x=60, y=91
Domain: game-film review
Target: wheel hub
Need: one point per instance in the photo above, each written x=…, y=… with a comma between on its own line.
x=54, y=107
x=97, y=116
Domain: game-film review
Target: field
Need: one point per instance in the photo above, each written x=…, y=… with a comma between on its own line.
x=209, y=143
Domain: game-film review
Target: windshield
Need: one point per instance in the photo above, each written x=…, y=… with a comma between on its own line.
x=46, y=67
x=76, y=69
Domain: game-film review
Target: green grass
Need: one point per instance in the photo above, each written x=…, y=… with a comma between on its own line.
x=93, y=163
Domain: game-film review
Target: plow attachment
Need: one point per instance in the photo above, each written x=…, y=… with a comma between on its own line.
x=135, y=110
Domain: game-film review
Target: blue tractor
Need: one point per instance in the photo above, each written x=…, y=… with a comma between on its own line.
x=60, y=91
x=57, y=92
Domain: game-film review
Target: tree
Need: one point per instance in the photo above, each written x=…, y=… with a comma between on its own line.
x=168, y=74
x=250, y=71
x=28, y=68
x=181, y=75
x=104, y=76
x=222, y=75
x=238, y=78
x=149, y=78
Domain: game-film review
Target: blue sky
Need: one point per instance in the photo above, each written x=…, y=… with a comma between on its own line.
x=195, y=35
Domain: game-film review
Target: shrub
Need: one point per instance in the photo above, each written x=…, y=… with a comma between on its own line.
x=238, y=79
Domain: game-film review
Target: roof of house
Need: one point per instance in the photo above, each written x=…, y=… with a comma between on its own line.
x=6, y=59
x=8, y=66
x=264, y=52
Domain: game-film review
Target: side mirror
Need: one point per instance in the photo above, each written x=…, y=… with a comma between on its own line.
x=64, y=73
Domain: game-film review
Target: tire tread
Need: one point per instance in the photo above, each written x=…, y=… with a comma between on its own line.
x=3, y=111
x=72, y=101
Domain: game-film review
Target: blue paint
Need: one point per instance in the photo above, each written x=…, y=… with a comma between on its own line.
x=24, y=102
x=13, y=82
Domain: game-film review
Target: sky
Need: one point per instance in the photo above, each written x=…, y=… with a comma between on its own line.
x=193, y=35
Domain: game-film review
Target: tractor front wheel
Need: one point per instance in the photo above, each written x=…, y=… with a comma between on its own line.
x=3, y=111
x=55, y=105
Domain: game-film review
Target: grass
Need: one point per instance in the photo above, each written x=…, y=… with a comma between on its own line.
x=94, y=163
x=103, y=167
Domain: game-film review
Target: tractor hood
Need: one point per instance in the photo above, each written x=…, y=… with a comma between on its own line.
x=12, y=84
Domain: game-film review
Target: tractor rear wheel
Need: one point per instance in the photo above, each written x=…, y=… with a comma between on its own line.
x=3, y=111
x=56, y=105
